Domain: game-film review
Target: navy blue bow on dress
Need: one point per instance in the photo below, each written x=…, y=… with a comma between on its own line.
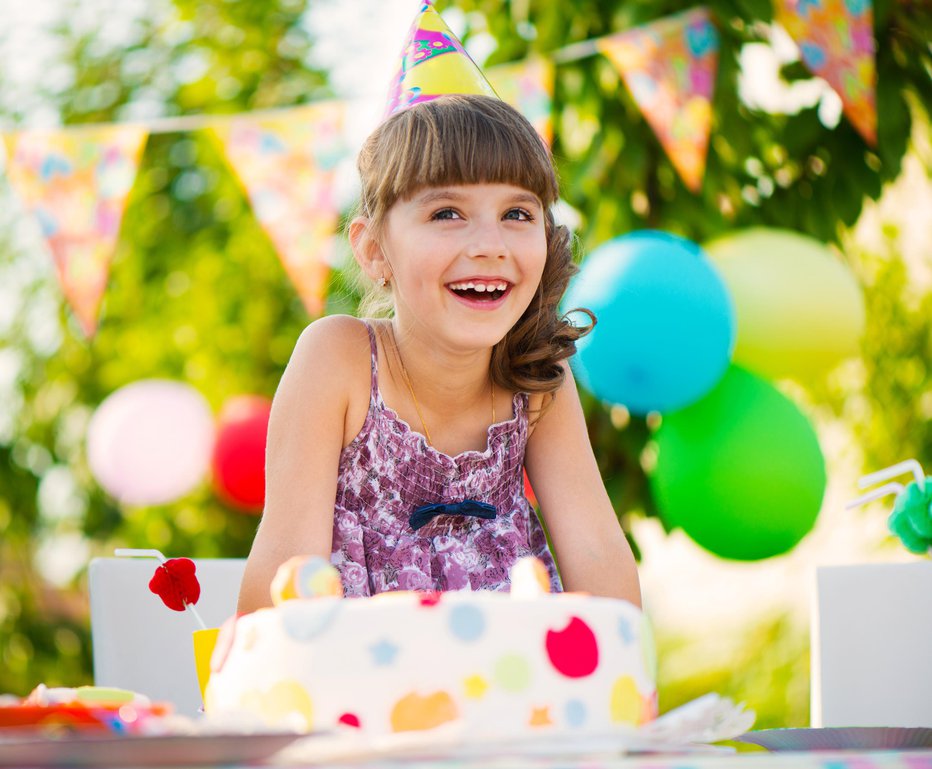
x=426, y=513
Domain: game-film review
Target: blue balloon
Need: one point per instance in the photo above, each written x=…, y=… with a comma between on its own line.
x=666, y=324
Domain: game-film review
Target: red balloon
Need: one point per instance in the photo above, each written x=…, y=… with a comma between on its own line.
x=239, y=452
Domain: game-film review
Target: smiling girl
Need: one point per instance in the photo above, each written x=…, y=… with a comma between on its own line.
x=396, y=445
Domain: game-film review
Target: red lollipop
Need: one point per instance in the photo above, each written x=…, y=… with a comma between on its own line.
x=175, y=582
x=239, y=452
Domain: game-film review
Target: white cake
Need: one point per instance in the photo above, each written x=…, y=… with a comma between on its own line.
x=500, y=665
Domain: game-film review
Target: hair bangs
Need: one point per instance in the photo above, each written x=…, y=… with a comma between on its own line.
x=454, y=140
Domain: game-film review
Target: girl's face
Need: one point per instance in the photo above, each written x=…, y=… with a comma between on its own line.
x=465, y=260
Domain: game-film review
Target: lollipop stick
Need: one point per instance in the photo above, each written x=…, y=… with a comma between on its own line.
x=907, y=465
x=883, y=491
x=190, y=608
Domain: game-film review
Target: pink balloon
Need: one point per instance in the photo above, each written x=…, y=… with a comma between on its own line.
x=150, y=442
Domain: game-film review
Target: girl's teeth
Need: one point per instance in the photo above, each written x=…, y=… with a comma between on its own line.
x=480, y=287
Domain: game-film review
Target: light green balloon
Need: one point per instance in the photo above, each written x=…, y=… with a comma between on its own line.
x=740, y=471
x=798, y=308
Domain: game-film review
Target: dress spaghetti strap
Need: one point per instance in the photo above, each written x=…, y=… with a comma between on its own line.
x=374, y=363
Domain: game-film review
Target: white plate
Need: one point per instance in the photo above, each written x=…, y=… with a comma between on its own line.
x=27, y=751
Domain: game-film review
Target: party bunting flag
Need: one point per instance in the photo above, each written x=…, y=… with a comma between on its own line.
x=75, y=182
x=528, y=87
x=836, y=41
x=669, y=67
x=285, y=163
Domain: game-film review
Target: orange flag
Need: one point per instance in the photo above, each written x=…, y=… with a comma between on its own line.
x=285, y=163
x=75, y=182
x=836, y=41
x=528, y=87
x=669, y=67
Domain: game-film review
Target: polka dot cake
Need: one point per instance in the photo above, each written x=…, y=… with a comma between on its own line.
x=502, y=665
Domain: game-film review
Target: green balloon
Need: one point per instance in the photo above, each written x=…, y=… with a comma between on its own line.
x=740, y=471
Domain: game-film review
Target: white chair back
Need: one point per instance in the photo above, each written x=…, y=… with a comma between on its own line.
x=142, y=645
x=871, y=643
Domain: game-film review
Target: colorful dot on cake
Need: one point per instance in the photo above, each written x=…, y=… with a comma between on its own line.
x=383, y=653
x=512, y=673
x=625, y=705
x=573, y=651
x=429, y=598
x=648, y=708
x=540, y=717
x=303, y=626
x=625, y=630
x=467, y=622
x=575, y=712
x=475, y=687
x=415, y=712
x=286, y=703
x=350, y=719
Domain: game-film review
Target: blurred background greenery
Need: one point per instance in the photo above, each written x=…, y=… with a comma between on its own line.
x=198, y=294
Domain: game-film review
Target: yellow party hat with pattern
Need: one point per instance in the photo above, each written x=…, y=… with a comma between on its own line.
x=433, y=63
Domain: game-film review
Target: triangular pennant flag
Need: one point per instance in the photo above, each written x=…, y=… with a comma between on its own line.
x=285, y=163
x=433, y=63
x=836, y=41
x=75, y=182
x=528, y=87
x=669, y=67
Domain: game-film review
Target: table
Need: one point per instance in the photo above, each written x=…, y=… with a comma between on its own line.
x=840, y=760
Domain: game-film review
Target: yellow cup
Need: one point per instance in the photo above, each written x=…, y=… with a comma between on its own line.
x=204, y=643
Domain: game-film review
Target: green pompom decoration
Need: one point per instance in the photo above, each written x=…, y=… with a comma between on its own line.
x=911, y=519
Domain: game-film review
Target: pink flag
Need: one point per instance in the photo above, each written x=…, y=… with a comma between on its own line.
x=835, y=38
x=528, y=87
x=285, y=163
x=669, y=67
x=75, y=182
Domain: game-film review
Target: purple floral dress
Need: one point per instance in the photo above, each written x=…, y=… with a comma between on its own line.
x=389, y=470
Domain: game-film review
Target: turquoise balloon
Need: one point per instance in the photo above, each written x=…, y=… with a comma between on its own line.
x=740, y=471
x=665, y=328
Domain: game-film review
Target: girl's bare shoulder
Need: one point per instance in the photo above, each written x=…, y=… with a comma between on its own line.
x=331, y=362
x=332, y=345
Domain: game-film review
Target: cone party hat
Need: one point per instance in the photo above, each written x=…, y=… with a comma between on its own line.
x=433, y=63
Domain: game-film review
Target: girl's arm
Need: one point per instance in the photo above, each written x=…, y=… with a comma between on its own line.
x=306, y=432
x=589, y=545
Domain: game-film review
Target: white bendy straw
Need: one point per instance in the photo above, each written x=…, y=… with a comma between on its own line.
x=907, y=465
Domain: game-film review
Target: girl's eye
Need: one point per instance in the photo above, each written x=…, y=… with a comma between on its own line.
x=444, y=214
x=519, y=215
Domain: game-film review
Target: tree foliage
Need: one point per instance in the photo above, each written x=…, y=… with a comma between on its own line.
x=775, y=170
x=197, y=293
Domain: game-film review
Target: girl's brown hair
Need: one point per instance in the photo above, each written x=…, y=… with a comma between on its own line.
x=474, y=140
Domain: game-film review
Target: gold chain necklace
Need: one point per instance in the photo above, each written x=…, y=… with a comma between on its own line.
x=417, y=406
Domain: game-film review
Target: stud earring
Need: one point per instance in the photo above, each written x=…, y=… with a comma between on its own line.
x=381, y=281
